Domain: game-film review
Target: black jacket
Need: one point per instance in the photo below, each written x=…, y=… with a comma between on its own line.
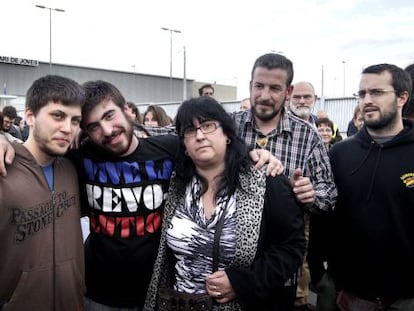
x=372, y=231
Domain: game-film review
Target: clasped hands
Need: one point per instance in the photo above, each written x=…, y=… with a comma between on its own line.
x=219, y=287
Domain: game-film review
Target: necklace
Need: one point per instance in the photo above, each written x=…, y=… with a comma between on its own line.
x=261, y=141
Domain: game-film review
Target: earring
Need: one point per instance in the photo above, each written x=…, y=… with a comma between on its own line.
x=228, y=141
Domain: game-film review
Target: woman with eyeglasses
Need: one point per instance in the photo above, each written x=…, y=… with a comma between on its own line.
x=222, y=212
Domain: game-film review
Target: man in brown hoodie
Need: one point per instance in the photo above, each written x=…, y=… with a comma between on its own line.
x=41, y=258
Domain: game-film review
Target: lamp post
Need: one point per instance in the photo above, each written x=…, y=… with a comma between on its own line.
x=184, y=75
x=322, y=98
x=50, y=28
x=343, y=62
x=322, y=80
x=171, y=33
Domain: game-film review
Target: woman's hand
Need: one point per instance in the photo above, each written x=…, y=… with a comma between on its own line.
x=219, y=287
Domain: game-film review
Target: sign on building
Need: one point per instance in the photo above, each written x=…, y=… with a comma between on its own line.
x=19, y=61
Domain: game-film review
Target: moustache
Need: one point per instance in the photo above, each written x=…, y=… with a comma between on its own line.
x=107, y=139
x=264, y=103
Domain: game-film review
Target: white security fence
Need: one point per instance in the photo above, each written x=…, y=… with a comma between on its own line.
x=340, y=110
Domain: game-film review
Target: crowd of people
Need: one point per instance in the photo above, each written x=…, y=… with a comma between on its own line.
x=249, y=210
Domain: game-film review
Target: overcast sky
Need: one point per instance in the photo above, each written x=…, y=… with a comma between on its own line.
x=222, y=38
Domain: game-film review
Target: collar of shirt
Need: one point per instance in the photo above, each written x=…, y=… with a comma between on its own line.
x=283, y=126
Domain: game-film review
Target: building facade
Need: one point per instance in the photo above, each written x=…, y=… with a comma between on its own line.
x=16, y=76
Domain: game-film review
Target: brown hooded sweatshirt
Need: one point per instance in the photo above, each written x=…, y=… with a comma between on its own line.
x=41, y=249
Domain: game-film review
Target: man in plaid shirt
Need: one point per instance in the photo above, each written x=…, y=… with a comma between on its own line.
x=293, y=141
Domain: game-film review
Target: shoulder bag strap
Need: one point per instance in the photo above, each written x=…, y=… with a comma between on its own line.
x=217, y=234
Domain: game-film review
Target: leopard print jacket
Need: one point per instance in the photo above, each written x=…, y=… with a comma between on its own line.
x=249, y=208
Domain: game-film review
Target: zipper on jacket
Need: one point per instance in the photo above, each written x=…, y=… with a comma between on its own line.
x=54, y=251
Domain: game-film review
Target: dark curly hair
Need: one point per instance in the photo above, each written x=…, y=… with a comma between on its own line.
x=97, y=92
x=275, y=61
x=236, y=160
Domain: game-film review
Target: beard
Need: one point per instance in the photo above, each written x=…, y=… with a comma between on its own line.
x=302, y=112
x=50, y=152
x=385, y=120
x=46, y=145
x=266, y=115
x=122, y=148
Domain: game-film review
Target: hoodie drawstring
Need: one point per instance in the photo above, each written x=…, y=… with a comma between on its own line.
x=377, y=160
x=364, y=159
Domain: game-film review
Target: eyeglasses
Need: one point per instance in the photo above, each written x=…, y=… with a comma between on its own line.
x=374, y=93
x=205, y=128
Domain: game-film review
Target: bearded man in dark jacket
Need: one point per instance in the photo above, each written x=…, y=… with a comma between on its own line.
x=371, y=230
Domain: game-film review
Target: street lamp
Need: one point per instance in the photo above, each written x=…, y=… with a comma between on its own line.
x=184, y=75
x=323, y=81
x=344, y=76
x=50, y=28
x=171, y=32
